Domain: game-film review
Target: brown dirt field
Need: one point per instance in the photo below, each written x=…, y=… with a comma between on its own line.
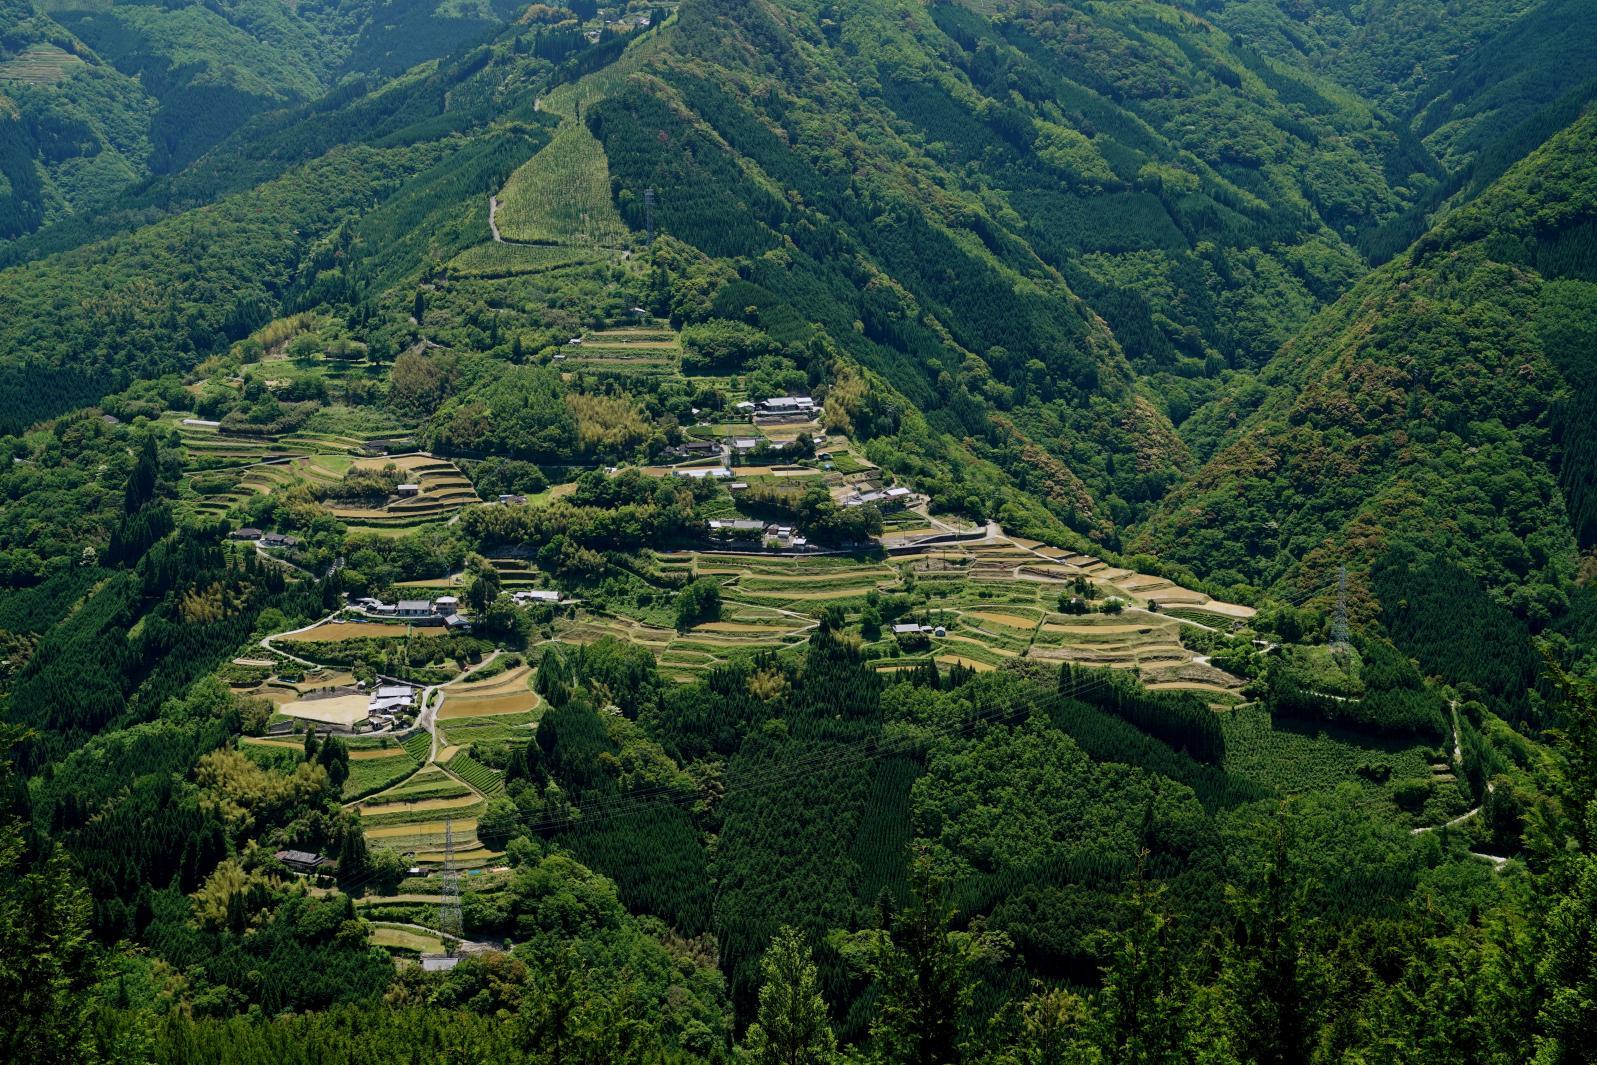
x=340, y=709
x=510, y=680
x=372, y=754
x=740, y=627
x=464, y=829
x=1173, y=595
x=351, y=630
x=1099, y=630
x=422, y=805
x=1009, y=621
x=509, y=703
x=1230, y=610
x=406, y=462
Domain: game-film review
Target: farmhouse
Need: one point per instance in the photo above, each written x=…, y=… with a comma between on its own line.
x=510, y=500
x=456, y=623
x=274, y=539
x=911, y=627
x=890, y=499
x=689, y=449
x=391, y=699
x=535, y=595
x=407, y=490
x=787, y=405
x=245, y=533
x=301, y=861
x=446, y=605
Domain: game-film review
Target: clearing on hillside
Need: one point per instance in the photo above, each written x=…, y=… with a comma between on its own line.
x=562, y=194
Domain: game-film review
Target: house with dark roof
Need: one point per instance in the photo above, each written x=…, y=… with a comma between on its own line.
x=301, y=861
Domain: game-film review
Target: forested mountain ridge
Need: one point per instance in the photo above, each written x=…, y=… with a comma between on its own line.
x=102, y=96
x=1441, y=400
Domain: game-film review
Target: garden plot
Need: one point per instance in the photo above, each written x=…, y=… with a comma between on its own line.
x=442, y=490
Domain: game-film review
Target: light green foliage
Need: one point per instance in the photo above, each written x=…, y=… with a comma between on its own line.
x=562, y=195
x=792, y=1028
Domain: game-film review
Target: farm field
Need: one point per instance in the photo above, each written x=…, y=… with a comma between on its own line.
x=342, y=710
x=333, y=632
x=405, y=940
x=39, y=64
x=995, y=598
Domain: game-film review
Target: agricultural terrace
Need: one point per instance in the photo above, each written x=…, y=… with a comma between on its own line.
x=39, y=64
x=994, y=599
x=641, y=351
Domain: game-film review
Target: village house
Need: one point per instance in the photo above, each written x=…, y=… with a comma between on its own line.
x=408, y=490
x=301, y=861
x=274, y=539
x=245, y=533
x=390, y=699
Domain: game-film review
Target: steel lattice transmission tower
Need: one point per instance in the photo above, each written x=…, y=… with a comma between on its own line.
x=1339, y=631
x=450, y=923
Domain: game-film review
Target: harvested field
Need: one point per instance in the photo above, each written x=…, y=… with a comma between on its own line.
x=960, y=660
x=351, y=630
x=372, y=754
x=405, y=939
x=342, y=710
x=456, y=707
x=1012, y=621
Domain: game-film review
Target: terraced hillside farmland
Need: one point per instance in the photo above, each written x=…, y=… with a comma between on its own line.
x=636, y=351
x=981, y=603
x=508, y=693
x=441, y=490
x=39, y=64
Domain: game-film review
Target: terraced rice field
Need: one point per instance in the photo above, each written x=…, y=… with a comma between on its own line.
x=508, y=693
x=39, y=64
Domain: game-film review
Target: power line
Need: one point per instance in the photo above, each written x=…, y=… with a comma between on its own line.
x=787, y=771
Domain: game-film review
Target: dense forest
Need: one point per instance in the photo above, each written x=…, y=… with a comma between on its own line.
x=798, y=531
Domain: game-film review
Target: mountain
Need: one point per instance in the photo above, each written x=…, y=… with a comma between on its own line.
x=100, y=96
x=1440, y=409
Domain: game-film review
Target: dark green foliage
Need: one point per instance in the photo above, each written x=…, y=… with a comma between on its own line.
x=1182, y=720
